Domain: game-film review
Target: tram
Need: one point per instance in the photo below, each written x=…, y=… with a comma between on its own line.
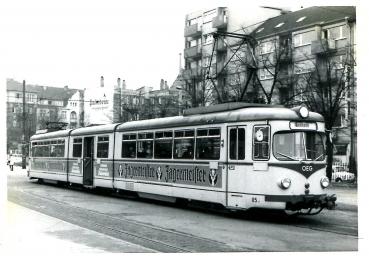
x=238, y=155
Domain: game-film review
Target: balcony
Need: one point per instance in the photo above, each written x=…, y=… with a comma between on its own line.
x=192, y=52
x=192, y=30
x=323, y=46
x=220, y=21
x=221, y=46
x=195, y=73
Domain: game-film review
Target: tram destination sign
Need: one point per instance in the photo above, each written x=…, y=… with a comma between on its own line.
x=303, y=126
x=199, y=175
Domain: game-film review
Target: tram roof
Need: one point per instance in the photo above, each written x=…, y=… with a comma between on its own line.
x=228, y=115
x=49, y=135
x=94, y=129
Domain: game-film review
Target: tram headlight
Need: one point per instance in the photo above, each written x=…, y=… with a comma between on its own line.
x=304, y=112
x=285, y=183
x=324, y=182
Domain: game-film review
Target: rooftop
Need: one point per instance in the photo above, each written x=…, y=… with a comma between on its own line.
x=304, y=18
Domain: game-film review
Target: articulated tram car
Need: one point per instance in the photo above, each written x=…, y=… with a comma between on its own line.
x=239, y=155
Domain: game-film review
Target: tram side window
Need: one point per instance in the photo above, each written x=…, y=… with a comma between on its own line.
x=102, y=146
x=145, y=145
x=77, y=147
x=41, y=149
x=237, y=144
x=184, y=144
x=129, y=146
x=57, y=148
x=208, y=144
x=261, y=143
x=163, y=144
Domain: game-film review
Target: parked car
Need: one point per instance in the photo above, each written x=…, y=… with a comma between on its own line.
x=341, y=174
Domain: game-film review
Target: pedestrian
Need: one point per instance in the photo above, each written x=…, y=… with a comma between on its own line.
x=11, y=163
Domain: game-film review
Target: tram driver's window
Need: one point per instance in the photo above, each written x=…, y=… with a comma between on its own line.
x=208, y=144
x=102, y=146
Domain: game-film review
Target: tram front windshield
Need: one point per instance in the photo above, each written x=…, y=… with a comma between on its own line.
x=298, y=146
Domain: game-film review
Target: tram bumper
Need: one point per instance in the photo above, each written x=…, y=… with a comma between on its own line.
x=298, y=202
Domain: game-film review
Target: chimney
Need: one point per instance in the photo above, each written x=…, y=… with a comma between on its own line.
x=118, y=82
x=102, y=81
x=124, y=84
x=166, y=85
x=180, y=62
x=161, y=84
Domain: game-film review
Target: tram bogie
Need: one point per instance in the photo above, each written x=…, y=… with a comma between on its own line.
x=240, y=156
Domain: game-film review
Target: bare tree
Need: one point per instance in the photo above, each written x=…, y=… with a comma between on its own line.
x=326, y=87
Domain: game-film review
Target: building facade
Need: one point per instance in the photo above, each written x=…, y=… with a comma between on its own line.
x=43, y=104
x=309, y=56
x=205, y=61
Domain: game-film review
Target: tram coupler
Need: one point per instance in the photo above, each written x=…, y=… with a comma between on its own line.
x=330, y=201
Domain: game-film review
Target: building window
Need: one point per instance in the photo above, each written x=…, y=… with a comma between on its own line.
x=305, y=66
x=303, y=39
x=208, y=39
x=209, y=15
x=73, y=116
x=266, y=73
x=337, y=33
x=266, y=47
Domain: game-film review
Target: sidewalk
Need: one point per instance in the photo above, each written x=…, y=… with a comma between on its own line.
x=28, y=232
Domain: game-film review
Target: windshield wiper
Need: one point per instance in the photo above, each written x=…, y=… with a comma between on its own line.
x=318, y=157
x=289, y=157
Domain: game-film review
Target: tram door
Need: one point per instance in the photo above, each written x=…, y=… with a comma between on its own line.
x=88, y=157
x=236, y=168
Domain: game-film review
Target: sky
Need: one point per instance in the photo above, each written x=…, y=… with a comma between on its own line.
x=58, y=43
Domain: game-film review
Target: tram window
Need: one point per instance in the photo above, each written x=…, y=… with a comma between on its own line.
x=208, y=146
x=163, y=145
x=233, y=144
x=241, y=144
x=146, y=135
x=144, y=149
x=183, y=148
x=184, y=144
x=102, y=146
x=129, y=146
x=261, y=143
x=77, y=147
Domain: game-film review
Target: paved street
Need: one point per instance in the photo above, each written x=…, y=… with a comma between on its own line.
x=74, y=219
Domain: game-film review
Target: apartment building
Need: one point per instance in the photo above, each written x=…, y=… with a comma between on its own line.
x=149, y=103
x=204, y=60
x=43, y=104
x=312, y=50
